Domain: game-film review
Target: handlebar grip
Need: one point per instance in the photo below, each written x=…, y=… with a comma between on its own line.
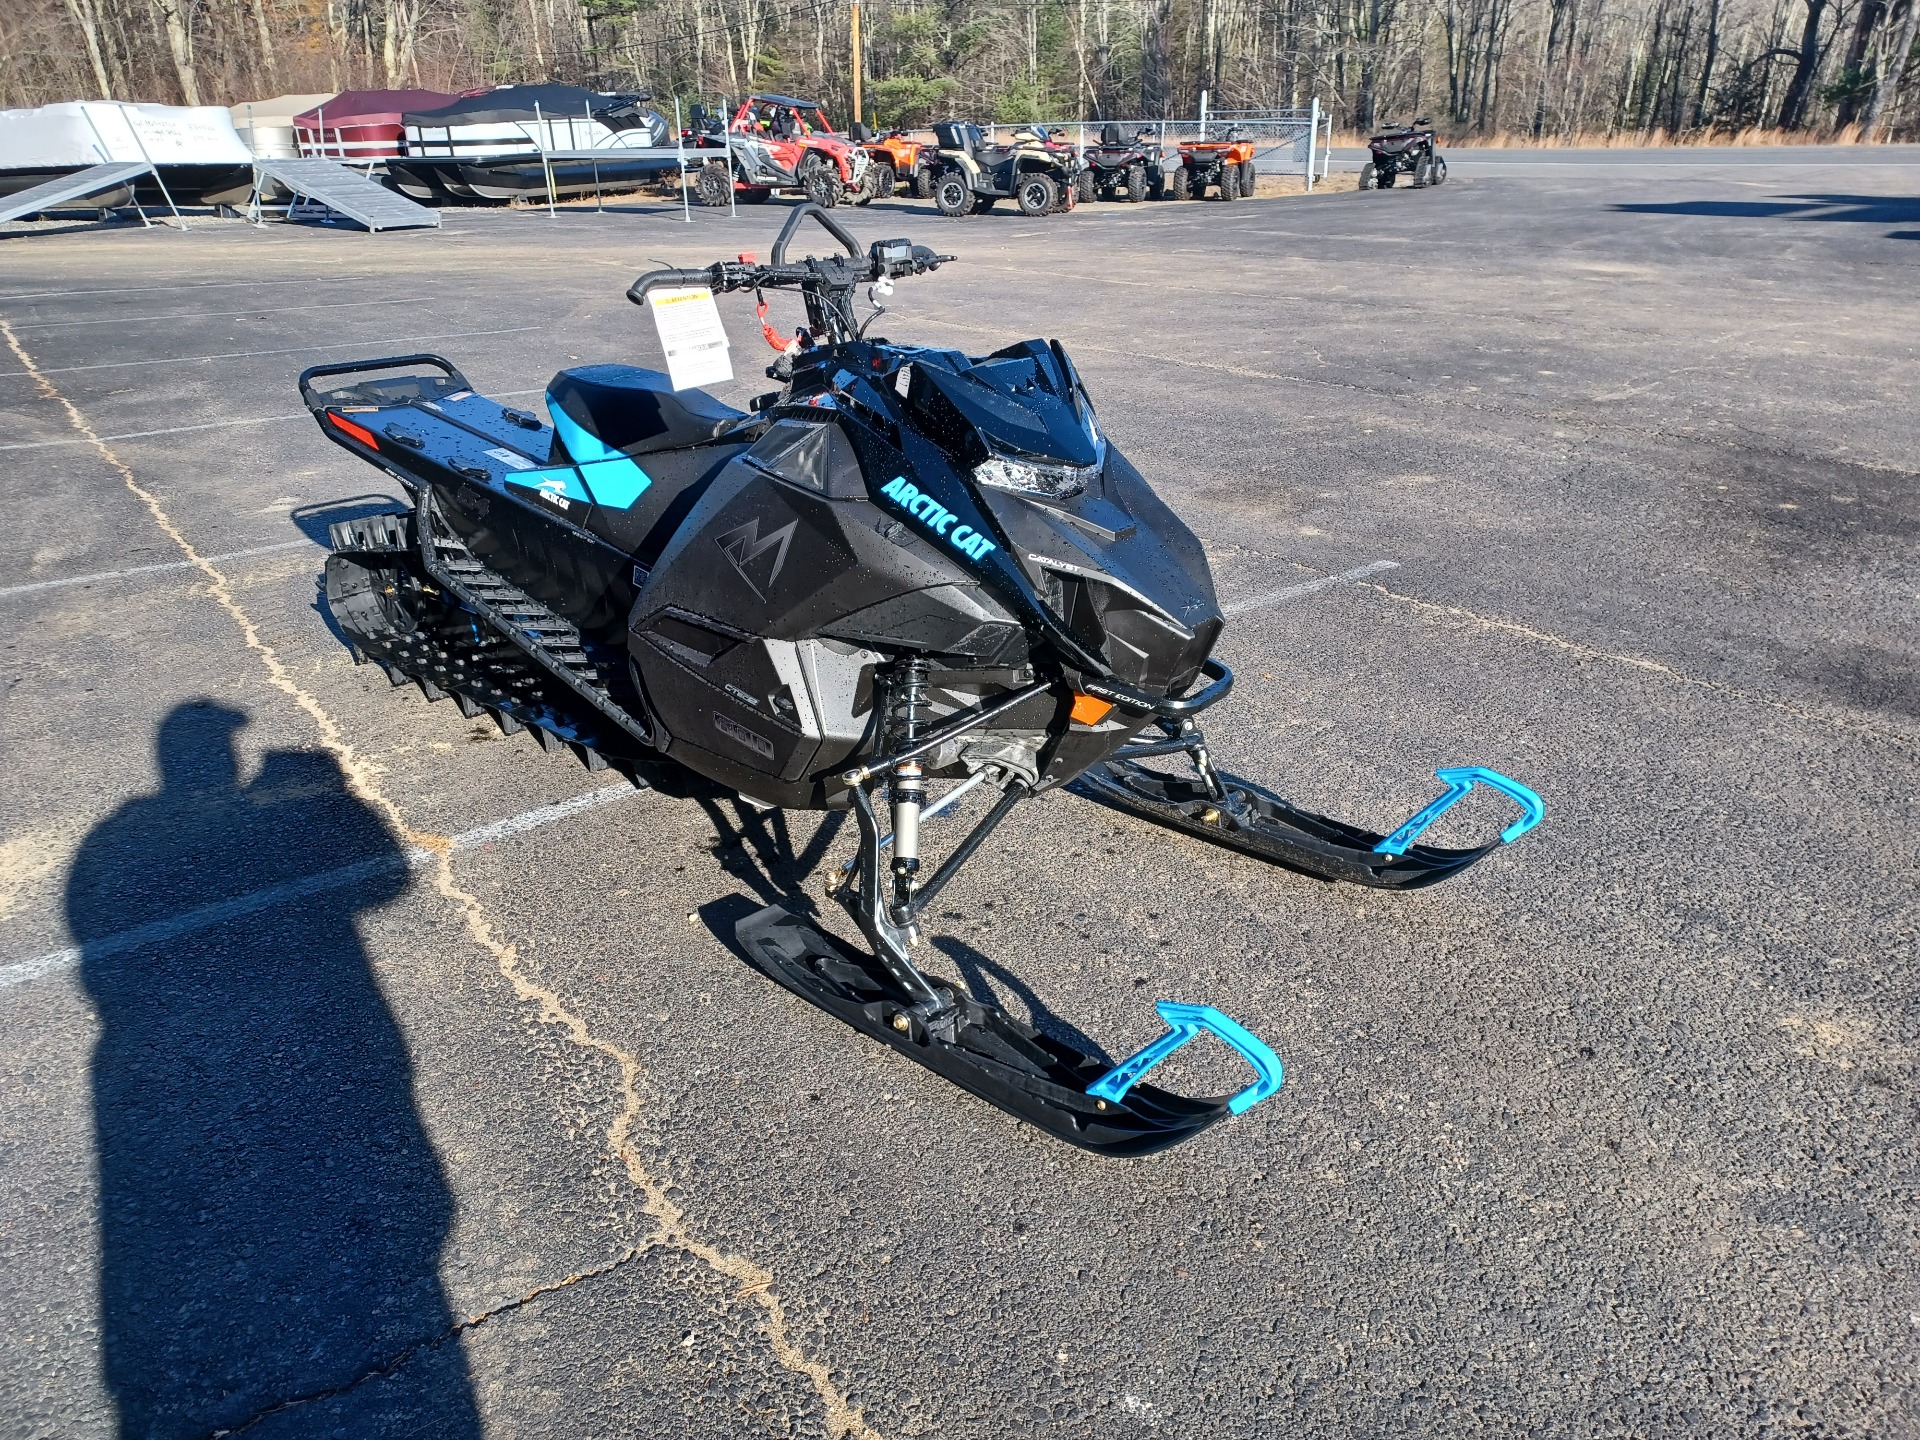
x=654, y=279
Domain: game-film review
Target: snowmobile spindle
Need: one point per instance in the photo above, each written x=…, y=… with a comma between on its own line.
x=903, y=575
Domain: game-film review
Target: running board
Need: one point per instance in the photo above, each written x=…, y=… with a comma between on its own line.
x=1030, y=1075
x=1257, y=822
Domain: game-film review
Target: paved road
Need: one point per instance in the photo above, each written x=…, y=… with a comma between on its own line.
x=1472, y=160
x=360, y=1113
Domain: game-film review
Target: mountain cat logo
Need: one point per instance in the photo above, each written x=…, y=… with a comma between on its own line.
x=744, y=547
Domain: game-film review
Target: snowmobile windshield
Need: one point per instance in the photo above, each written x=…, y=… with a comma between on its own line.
x=1017, y=405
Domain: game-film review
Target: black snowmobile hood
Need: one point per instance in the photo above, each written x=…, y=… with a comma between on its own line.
x=1108, y=573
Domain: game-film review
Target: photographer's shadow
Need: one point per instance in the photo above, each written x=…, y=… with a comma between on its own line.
x=271, y=1211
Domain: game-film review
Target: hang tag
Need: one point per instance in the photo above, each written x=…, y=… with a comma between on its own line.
x=692, y=336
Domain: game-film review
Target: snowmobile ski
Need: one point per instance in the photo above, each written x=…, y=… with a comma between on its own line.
x=1242, y=816
x=1029, y=1074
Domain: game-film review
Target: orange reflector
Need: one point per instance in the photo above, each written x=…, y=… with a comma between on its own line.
x=364, y=436
x=1089, y=711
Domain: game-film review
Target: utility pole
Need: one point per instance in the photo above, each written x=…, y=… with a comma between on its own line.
x=857, y=65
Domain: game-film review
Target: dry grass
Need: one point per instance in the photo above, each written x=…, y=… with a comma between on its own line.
x=1267, y=187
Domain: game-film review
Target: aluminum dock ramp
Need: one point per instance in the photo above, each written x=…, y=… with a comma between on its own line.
x=346, y=192
x=62, y=192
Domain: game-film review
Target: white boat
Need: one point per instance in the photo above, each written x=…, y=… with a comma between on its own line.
x=266, y=126
x=199, y=155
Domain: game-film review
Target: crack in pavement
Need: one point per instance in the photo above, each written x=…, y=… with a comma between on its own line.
x=1460, y=614
x=671, y=1227
x=387, y=1369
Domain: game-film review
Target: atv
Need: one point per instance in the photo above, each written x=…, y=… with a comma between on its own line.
x=1227, y=165
x=905, y=568
x=896, y=161
x=1037, y=175
x=1136, y=169
x=776, y=143
x=1404, y=152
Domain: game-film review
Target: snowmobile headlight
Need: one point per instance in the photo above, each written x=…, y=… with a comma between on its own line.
x=1059, y=482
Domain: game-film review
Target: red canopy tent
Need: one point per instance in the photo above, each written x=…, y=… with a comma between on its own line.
x=362, y=124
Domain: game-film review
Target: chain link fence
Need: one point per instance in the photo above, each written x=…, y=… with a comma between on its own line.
x=1285, y=142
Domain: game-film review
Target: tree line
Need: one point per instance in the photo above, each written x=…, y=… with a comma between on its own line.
x=1559, y=70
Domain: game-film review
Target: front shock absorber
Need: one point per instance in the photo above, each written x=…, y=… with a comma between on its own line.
x=908, y=790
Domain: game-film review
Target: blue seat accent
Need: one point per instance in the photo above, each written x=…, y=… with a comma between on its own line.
x=611, y=478
x=1186, y=1022
x=1459, y=781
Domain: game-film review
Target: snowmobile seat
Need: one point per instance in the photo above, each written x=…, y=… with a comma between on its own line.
x=629, y=411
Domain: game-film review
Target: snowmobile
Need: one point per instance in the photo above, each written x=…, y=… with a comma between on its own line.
x=1404, y=152
x=905, y=568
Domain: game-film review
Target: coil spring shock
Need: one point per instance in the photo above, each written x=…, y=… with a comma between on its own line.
x=907, y=702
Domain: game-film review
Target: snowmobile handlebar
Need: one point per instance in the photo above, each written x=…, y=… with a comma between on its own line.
x=883, y=259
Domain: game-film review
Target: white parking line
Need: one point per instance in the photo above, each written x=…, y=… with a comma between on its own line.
x=253, y=354
x=179, y=289
x=149, y=569
x=219, y=314
x=143, y=434
x=1306, y=587
x=21, y=971
x=211, y=425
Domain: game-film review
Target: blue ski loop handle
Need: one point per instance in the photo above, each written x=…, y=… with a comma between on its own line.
x=1186, y=1022
x=1458, y=782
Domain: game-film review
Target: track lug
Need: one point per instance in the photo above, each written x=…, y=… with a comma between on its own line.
x=508, y=725
x=430, y=690
x=467, y=707
x=548, y=740
x=590, y=757
x=359, y=655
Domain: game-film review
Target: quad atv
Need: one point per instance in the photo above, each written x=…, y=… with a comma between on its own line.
x=1404, y=152
x=1123, y=169
x=1226, y=165
x=777, y=143
x=1038, y=176
x=903, y=568
x=896, y=162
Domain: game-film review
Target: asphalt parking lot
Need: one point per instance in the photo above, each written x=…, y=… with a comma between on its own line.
x=333, y=1105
